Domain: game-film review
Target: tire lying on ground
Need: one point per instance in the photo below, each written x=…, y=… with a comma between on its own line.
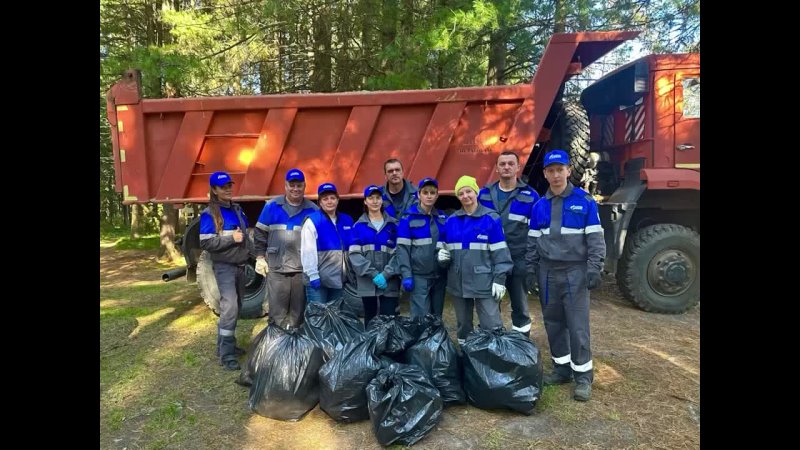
x=254, y=303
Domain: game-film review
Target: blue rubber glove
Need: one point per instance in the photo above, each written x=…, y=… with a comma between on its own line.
x=408, y=284
x=315, y=284
x=379, y=281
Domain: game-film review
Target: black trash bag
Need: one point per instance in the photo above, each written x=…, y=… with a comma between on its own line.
x=404, y=405
x=502, y=369
x=351, y=301
x=330, y=327
x=344, y=378
x=286, y=385
x=254, y=358
x=403, y=332
x=436, y=355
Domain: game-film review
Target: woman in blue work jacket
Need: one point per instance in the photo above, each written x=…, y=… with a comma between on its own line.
x=372, y=257
x=478, y=258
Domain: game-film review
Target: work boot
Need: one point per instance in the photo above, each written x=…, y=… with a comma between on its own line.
x=554, y=378
x=231, y=364
x=237, y=351
x=583, y=392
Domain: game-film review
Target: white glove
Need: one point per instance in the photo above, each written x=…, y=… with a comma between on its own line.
x=498, y=291
x=443, y=255
x=261, y=266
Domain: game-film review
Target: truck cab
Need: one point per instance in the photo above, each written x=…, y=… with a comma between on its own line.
x=644, y=141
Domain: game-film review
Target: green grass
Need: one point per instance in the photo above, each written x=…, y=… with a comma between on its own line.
x=112, y=233
x=190, y=359
x=557, y=400
x=162, y=387
x=129, y=312
x=142, y=243
x=115, y=418
x=494, y=440
x=142, y=293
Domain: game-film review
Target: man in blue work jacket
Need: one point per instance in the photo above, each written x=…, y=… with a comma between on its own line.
x=566, y=252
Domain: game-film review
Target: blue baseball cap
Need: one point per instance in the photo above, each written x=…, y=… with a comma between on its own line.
x=219, y=179
x=327, y=187
x=295, y=175
x=428, y=180
x=556, y=157
x=371, y=189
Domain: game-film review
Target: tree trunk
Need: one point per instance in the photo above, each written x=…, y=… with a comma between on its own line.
x=388, y=32
x=560, y=19
x=321, y=75
x=169, y=222
x=136, y=221
x=497, y=58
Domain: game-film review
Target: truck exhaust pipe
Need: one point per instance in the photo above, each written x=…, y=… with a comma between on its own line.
x=173, y=274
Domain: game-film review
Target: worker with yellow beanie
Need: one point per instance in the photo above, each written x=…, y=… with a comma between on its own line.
x=478, y=258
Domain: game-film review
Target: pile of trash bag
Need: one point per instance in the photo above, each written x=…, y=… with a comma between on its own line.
x=403, y=332
x=502, y=370
x=344, y=378
x=403, y=404
x=436, y=355
x=286, y=381
x=330, y=326
x=254, y=354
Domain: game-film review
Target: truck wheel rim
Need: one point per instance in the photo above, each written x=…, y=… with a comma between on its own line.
x=671, y=272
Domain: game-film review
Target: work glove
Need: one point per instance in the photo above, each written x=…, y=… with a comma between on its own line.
x=498, y=291
x=531, y=283
x=380, y=281
x=315, y=284
x=408, y=284
x=261, y=266
x=593, y=279
x=443, y=256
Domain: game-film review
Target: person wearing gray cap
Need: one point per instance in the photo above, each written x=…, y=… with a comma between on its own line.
x=566, y=251
x=277, y=246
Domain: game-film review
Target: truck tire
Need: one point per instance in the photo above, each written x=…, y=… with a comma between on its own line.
x=570, y=133
x=660, y=269
x=254, y=303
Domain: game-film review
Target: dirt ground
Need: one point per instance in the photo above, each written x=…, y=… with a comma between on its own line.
x=162, y=387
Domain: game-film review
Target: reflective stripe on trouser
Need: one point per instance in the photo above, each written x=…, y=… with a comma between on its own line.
x=427, y=297
x=287, y=296
x=565, y=310
x=230, y=281
x=520, y=317
x=488, y=314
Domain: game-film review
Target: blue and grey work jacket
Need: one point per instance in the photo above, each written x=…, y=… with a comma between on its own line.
x=409, y=198
x=565, y=229
x=515, y=213
x=323, y=248
x=278, y=234
x=479, y=255
x=220, y=244
x=418, y=240
x=372, y=251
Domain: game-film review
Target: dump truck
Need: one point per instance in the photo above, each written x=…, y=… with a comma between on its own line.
x=165, y=149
